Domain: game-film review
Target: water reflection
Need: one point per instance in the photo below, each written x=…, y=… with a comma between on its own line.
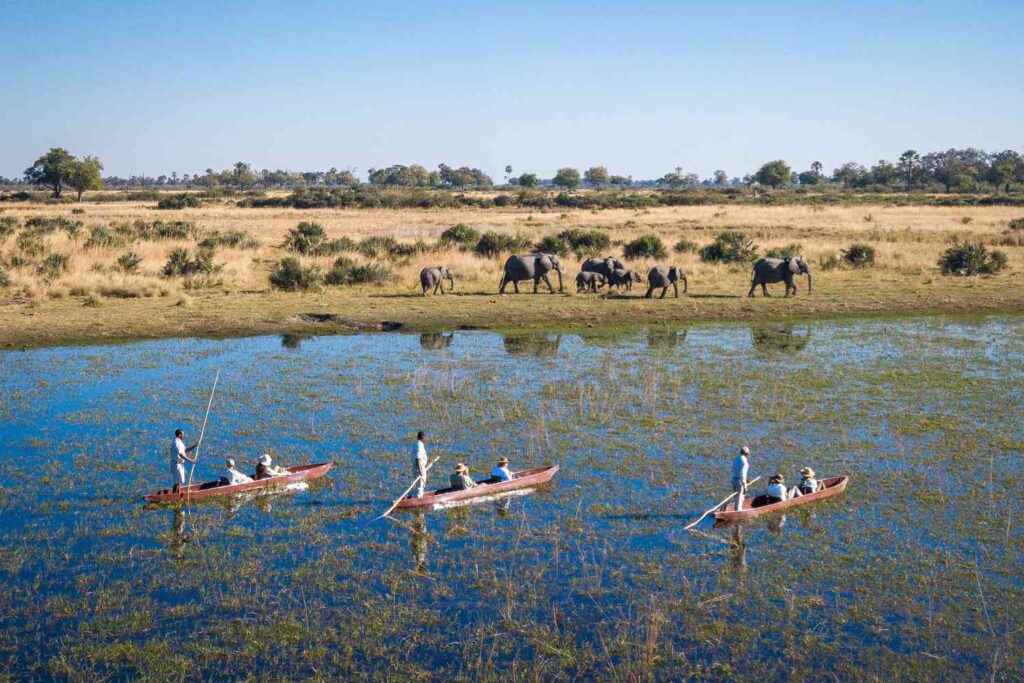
x=788, y=338
x=294, y=341
x=418, y=542
x=665, y=337
x=434, y=341
x=532, y=344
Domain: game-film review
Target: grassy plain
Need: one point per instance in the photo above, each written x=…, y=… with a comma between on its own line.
x=93, y=302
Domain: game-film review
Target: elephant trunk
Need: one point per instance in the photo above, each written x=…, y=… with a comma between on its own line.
x=559, y=271
x=808, y=282
x=686, y=285
x=451, y=279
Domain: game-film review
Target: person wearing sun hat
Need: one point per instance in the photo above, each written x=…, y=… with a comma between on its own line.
x=808, y=481
x=265, y=468
x=776, y=492
x=501, y=472
x=234, y=476
x=460, y=479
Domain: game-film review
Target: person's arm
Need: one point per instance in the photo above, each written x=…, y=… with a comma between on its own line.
x=192, y=447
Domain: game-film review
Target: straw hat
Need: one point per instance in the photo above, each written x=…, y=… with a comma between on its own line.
x=502, y=461
x=265, y=460
x=461, y=467
x=807, y=472
x=778, y=478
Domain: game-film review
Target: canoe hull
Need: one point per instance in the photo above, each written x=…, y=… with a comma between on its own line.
x=834, y=486
x=211, y=489
x=522, y=480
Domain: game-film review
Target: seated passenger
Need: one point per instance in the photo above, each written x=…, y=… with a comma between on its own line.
x=776, y=492
x=501, y=472
x=265, y=468
x=808, y=482
x=234, y=476
x=460, y=480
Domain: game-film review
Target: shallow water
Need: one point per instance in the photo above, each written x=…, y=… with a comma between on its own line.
x=917, y=568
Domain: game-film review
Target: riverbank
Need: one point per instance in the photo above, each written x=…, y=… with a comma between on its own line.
x=77, y=320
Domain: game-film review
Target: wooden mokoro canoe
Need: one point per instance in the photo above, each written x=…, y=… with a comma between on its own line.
x=752, y=507
x=215, y=488
x=520, y=480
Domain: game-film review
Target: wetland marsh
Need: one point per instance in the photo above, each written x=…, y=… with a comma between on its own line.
x=916, y=571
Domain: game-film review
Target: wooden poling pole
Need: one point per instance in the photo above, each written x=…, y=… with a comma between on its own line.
x=188, y=489
x=710, y=510
x=402, y=497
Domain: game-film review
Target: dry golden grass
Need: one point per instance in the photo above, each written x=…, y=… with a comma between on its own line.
x=908, y=241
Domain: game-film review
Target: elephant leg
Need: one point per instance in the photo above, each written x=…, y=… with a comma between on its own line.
x=664, y=291
x=764, y=289
x=515, y=283
x=547, y=281
x=753, y=286
x=675, y=288
x=789, y=285
x=439, y=287
x=504, y=284
x=650, y=291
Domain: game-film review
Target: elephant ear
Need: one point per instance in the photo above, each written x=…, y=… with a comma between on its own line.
x=794, y=265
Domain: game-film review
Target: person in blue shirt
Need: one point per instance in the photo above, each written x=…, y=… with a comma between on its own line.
x=501, y=472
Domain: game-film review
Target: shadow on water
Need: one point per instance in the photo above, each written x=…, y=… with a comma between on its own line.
x=532, y=344
x=660, y=337
x=785, y=338
x=436, y=341
x=294, y=341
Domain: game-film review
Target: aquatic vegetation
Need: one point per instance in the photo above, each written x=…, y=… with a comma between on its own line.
x=914, y=569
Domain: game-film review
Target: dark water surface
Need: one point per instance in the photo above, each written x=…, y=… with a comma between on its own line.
x=917, y=569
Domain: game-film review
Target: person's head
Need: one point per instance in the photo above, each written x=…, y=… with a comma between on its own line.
x=744, y=451
x=807, y=472
x=179, y=434
x=231, y=464
x=502, y=462
x=421, y=436
x=461, y=468
x=777, y=479
x=265, y=460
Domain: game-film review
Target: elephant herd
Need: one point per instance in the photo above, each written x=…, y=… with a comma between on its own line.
x=611, y=272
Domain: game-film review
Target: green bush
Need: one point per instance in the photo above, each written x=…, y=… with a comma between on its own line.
x=53, y=266
x=129, y=262
x=180, y=263
x=585, y=242
x=307, y=238
x=8, y=226
x=685, y=246
x=1017, y=224
x=493, y=243
x=104, y=237
x=238, y=239
x=461, y=235
x=859, y=255
x=292, y=276
x=31, y=245
x=345, y=271
x=788, y=251
x=731, y=246
x=552, y=244
x=387, y=247
x=971, y=258
x=78, y=211
x=828, y=262
x=180, y=201
x=160, y=230
x=5, y=281
x=645, y=246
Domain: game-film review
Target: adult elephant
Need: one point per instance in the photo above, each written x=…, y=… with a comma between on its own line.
x=605, y=266
x=768, y=271
x=663, y=276
x=531, y=267
x=433, y=278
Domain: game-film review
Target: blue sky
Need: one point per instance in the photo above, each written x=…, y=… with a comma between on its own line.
x=638, y=87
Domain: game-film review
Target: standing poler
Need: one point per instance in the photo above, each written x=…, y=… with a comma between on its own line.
x=179, y=455
x=419, y=463
x=740, y=470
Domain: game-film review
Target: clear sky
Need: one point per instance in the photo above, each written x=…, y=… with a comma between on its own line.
x=640, y=87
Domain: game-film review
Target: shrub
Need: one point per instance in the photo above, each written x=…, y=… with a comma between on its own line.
x=104, y=237
x=828, y=262
x=30, y=244
x=8, y=226
x=645, y=246
x=129, y=262
x=585, y=242
x=494, y=243
x=788, y=251
x=53, y=266
x=78, y=212
x=971, y=258
x=377, y=247
x=1017, y=224
x=159, y=230
x=231, y=238
x=345, y=271
x=307, y=238
x=292, y=276
x=181, y=263
x=552, y=244
x=461, y=235
x=731, y=246
x=5, y=281
x=181, y=201
x=859, y=255
x=685, y=246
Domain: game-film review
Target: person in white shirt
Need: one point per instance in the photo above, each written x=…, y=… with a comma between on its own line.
x=776, y=492
x=236, y=477
x=419, y=463
x=808, y=482
x=179, y=456
x=501, y=472
x=740, y=471
x=265, y=468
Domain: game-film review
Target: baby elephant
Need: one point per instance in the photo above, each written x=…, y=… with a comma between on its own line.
x=621, y=277
x=433, y=278
x=661, y=276
x=587, y=281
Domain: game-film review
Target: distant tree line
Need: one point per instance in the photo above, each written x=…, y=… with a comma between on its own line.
x=954, y=170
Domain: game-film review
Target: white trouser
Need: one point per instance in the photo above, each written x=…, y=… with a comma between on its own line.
x=178, y=473
x=420, y=470
x=739, y=487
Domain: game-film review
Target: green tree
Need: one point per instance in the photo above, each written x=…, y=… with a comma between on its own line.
x=849, y=174
x=51, y=170
x=1002, y=174
x=569, y=178
x=529, y=180
x=721, y=177
x=597, y=176
x=243, y=175
x=508, y=172
x=774, y=173
x=817, y=167
x=84, y=174
x=910, y=167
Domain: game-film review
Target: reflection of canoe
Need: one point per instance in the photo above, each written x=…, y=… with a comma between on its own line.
x=752, y=507
x=520, y=480
x=214, y=488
